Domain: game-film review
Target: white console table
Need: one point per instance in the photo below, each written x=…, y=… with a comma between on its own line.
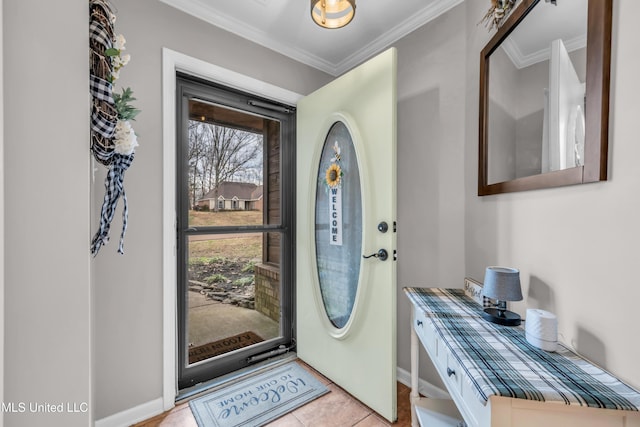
x=496, y=378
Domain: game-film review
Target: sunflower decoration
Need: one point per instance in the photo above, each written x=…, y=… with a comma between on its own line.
x=333, y=176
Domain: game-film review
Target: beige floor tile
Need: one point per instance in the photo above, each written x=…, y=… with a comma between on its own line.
x=336, y=408
x=180, y=416
x=288, y=420
x=373, y=420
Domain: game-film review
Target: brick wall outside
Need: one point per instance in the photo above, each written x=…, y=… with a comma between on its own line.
x=267, y=297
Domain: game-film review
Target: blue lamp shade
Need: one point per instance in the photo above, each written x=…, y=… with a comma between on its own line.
x=502, y=284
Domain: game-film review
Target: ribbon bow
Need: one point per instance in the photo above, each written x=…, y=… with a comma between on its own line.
x=114, y=188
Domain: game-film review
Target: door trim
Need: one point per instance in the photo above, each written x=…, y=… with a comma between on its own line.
x=173, y=62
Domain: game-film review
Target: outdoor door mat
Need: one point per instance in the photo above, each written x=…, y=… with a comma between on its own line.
x=259, y=399
x=225, y=345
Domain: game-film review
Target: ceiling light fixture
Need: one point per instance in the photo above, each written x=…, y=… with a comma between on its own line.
x=332, y=13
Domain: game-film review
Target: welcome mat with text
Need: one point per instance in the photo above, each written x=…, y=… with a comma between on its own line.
x=225, y=345
x=259, y=399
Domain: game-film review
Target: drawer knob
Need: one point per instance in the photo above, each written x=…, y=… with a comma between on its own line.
x=450, y=371
x=419, y=322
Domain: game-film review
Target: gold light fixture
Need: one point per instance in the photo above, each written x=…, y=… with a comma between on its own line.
x=332, y=13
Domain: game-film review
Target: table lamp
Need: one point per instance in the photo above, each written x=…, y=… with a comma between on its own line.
x=502, y=284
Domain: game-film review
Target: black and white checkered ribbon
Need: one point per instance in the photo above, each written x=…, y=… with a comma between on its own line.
x=101, y=89
x=114, y=186
x=100, y=34
x=102, y=121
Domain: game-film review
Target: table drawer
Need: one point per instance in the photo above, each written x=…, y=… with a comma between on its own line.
x=454, y=373
x=425, y=331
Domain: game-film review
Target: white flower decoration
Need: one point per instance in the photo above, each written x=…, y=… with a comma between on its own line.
x=119, y=60
x=125, y=138
x=119, y=43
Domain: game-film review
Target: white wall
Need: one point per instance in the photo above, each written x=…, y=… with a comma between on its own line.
x=431, y=169
x=1, y=219
x=47, y=289
x=576, y=246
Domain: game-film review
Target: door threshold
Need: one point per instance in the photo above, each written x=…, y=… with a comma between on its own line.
x=233, y=377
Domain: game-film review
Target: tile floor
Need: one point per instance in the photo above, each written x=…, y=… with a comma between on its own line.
x=334, y=409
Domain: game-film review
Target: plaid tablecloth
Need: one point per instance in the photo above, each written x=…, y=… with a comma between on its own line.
x=498, y=360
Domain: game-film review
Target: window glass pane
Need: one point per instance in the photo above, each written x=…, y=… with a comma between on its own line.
x=233, y=296
x=338, y=225
x=230, y=154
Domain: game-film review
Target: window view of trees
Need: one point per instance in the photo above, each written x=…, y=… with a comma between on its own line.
x=220, y=154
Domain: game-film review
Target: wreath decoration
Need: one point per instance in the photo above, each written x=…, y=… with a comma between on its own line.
x=113, y=140
x=496, y=14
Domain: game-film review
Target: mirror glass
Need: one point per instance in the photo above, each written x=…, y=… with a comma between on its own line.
x=536, y=91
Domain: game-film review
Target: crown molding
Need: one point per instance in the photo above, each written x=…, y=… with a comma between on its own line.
x=416, y=21
x=202, y=11
x=208, y=14
x=520, y=60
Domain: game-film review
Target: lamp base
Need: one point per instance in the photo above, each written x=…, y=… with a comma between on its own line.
x=501, y=317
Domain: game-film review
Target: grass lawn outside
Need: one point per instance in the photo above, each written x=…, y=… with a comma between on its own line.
x=236, y=246
x=233, y=247
x=224, y=218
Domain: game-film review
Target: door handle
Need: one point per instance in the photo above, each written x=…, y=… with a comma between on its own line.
x=382, y=255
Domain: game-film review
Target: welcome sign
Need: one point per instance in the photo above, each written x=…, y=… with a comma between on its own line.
x=259, y=399
x=335, y=216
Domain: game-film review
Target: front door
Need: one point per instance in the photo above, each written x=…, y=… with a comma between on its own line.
x=345, y=245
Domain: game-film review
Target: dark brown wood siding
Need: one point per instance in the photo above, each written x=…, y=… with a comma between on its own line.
x=271, y=246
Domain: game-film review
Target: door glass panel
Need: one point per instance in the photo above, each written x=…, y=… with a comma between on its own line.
x=226, y=165
x=233, y=297
x=234, y=229
x=233, y=274
x=338, y=225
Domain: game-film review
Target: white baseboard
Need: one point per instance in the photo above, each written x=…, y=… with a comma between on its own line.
x=156, y=407
x=133, y=415
x=424, y=388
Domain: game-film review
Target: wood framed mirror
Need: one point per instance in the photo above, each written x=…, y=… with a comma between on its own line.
x=544, y=97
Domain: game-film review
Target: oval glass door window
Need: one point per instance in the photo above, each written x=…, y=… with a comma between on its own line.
x=338, y=222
